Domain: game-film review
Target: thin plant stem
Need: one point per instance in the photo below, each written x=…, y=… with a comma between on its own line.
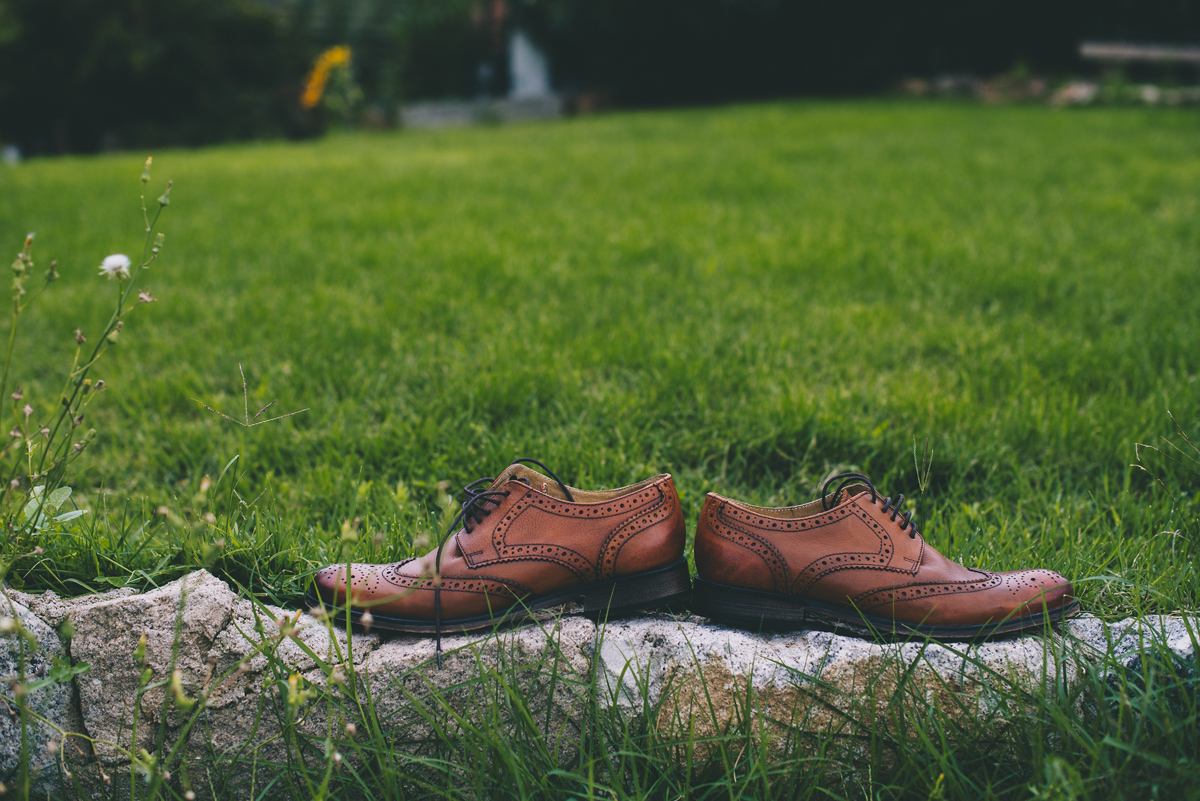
x=77, y=377
x=12, y=338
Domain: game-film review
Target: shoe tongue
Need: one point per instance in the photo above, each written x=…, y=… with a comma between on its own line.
x=845, y=494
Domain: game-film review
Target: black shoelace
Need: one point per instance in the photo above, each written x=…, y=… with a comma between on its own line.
x=888, y=506
x=478, y=505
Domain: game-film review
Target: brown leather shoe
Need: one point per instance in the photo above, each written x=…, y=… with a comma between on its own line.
x=851, y=561
x=528, y=541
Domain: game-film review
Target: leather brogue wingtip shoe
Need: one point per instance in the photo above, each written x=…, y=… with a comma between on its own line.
x=525, y=542
x=856, y=563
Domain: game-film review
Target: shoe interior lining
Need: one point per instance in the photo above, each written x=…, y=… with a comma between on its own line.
x=803, y=510
x=550, y=486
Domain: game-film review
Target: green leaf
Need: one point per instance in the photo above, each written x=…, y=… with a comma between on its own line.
x=60, y=671
x=59, y=497
x=67, y=516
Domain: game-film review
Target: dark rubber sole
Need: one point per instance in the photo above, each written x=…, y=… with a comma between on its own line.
x=758, y=610
x=601, y=599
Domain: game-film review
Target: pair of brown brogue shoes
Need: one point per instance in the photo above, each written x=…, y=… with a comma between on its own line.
x=525, y=541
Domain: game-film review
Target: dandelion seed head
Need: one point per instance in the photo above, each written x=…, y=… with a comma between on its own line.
x=115, y=266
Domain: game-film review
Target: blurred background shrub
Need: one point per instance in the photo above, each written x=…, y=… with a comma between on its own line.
x=83, y=75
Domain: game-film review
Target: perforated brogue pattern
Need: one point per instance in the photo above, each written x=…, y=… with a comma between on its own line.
x=901, y=593
x=729, y=523
x=480, y=585
x=1026, y=585
x=881, y=559
x=661, y=509
x=582, y=566
x=365, y=579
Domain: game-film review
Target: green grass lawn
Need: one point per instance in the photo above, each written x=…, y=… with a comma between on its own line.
x=745, y=297
x=748, y=298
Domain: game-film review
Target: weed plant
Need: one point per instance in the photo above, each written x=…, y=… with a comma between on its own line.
x=748, y=298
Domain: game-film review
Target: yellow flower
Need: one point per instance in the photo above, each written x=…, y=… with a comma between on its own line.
x=314, y=86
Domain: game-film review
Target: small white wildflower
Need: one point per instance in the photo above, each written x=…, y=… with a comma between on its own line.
x=115, y=266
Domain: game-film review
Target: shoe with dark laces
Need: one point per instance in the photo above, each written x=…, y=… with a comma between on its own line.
x=523, y=542
x=850, y=560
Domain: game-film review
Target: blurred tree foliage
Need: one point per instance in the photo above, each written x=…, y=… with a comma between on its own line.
x=86, y=74
x=699, y=51
x=81, y=74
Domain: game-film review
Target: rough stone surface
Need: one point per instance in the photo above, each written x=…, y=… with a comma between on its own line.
x=690, y=675
x=54, y=703
x=180, y=621
x=545, y=666
x=246, y=698
x=54, y=610
x=259, y=665
x=1128, y=639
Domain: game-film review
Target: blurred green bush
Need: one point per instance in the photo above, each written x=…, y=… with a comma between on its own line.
x=86, y=75
x=80, y=75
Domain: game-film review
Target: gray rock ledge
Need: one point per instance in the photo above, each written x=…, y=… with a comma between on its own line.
x=248, y=666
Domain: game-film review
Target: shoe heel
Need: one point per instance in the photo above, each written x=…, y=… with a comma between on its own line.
x=650, y=590
x=744, y=608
